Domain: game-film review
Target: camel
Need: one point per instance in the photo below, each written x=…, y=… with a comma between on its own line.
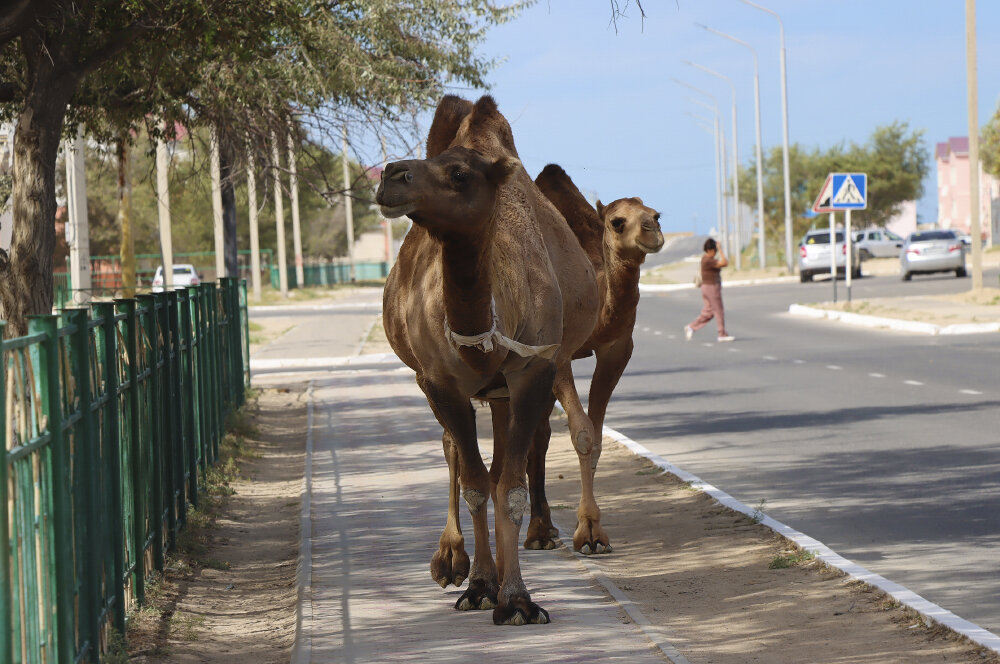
x=617, y=239
x=490, y=294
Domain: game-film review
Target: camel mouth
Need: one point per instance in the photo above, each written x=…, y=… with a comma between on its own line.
x=650, y=249
x=394, y=211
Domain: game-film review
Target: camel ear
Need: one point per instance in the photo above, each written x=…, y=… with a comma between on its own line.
x=503, y=169
x=600, y=210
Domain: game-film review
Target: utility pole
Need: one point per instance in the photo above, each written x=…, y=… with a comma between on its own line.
x=78, y=227
x=279, y=216
x=389, y=253
x=220, y=247
x=347, y=207
x=163, y=212
x=293, y=177
x=252, y=213
x=973, y=100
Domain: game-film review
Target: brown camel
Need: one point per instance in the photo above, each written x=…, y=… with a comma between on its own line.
x=490, y=294
x=617, y=239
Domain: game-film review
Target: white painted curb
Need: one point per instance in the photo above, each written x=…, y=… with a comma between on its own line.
x=263, y=364
x=896, y=324
x=900, y=593
x=304, y=308
x=667, y=288
x=302, y=648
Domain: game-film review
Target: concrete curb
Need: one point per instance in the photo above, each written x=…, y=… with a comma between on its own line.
x=264, y=364
x=900, y=593
x=306, y=308
x=896, y=324
x=302, y=648
x=666, y=288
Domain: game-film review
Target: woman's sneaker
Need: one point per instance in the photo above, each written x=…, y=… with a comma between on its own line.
x=688, y=332
x=726, y=338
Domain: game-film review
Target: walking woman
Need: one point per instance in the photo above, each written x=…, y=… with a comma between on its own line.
x=712, y=263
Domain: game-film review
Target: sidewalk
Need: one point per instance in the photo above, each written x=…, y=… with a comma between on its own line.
x=379, y=488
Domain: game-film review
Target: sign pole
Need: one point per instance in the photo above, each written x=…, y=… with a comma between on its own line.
x=833, y=256
x=848, y=267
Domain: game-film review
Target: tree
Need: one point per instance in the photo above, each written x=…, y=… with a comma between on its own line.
x=243, y=67
x=894, y=157
x=989, y=145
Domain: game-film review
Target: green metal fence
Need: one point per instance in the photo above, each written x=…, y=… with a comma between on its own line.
x=327, y=274
x=111, y=416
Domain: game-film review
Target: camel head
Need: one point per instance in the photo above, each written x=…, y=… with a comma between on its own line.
x=630, y=228
x=452, y=193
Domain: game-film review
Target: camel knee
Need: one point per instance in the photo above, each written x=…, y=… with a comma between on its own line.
x=583, y=442
x=517, y=503
x=474, y=499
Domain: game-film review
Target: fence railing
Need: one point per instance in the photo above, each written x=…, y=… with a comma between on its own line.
x=111, y=417
x=334, y=272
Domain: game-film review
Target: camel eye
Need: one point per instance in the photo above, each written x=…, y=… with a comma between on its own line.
x=459, y=176
x=618, y=223
x=656, y=217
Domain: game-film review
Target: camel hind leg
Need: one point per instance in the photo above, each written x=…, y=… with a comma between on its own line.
x=589, y=536
x=458, y=418
x=541, y=533
x=450, y=563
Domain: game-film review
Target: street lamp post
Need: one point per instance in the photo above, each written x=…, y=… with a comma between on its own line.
x=714, y=130
x=714, y=107
x=789, y=258
x=973, y=103
x=762, y=258
x=737, y=249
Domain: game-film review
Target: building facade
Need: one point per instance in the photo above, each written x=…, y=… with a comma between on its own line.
x=954, y=211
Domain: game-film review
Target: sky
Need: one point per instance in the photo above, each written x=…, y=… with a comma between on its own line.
x=603, y=104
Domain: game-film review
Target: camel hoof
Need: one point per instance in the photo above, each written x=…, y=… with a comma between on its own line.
x=539, y=544
x=602, y=549
x=477, y=598
x=450, y=566
x=524, y=612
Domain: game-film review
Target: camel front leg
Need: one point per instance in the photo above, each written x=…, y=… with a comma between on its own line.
x=589, y=536
x=456, y=415
x=529, y=389
x=541, y=533
x=450, y=563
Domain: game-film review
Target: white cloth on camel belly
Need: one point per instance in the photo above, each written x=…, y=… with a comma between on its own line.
x=487, y=341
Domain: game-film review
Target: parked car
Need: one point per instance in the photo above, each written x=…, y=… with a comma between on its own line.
x=878, y=243
x=814, y=255
x=932, y=251
x=184, y=275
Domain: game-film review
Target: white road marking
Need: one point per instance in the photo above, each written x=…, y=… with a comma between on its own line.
x=671, y=336
x=645, y=329
x=877, y=375
x=657, y=333
x=798, y=361
x=970, y=391
x=833, y=367
x=770, y=358
x=734, y=350
x=707, y=344
x=913, y=382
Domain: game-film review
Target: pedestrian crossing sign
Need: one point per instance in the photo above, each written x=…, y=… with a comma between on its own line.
x=849, y=191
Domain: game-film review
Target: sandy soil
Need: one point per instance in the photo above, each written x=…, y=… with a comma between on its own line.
x=703, y=574
x=232, y=598
x=981, y=306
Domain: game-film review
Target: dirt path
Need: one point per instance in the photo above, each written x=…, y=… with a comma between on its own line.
x=728, y=590
x=230, y=596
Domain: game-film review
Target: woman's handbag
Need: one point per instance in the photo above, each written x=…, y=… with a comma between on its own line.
x=697, y=279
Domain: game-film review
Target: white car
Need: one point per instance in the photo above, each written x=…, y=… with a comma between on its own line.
x=932, y=251
x=877, y=243
x=184, y=275
x=814, y=255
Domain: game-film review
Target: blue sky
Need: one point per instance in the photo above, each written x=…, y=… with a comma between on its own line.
x=603, y=104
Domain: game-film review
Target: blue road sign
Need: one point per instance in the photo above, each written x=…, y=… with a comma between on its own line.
x=850, y=191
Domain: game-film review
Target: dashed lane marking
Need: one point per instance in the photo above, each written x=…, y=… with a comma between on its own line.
x=833, y=367
x=913, y=382
x=770, y=358
x=877, y=375
x=970, y=392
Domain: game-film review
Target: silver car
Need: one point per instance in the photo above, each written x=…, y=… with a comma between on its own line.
x=814, y=255
x=932, y=251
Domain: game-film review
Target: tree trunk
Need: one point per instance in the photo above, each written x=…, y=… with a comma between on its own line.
x=129, y=282
x=26, y=273
x=228, y=209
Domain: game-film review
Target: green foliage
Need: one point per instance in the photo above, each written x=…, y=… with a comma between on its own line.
x=784, y=561
x=989, y=145
x=895, y=158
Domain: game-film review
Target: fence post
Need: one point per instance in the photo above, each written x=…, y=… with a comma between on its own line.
x=6, y=621
x=154, y=422
x=61, y=507
x=192, y=434
x=245, y=335
x=87, y=473
x=177, y=493
x=113, y=457
x=138, y=511
x=166, y=409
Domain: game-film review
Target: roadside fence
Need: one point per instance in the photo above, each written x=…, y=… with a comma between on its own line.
x=111, y=417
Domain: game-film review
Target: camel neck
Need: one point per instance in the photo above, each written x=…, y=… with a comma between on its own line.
x=621, y=276
x=467, y=285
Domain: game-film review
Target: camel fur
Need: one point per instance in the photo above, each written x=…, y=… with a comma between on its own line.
x=486, y=249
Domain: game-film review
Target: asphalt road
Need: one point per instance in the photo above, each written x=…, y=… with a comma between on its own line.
x=882, y=445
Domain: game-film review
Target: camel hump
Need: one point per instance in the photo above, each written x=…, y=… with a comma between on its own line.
x=559, y=188
x=447, y=118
